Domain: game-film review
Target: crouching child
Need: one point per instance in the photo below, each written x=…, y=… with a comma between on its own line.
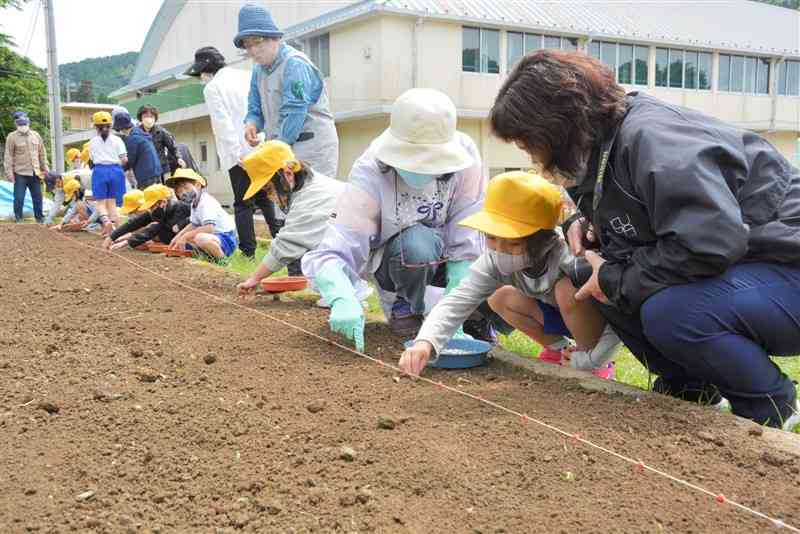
x=160, y=217
x=211, y=229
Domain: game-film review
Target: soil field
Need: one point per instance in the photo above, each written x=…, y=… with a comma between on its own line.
x=130, y=404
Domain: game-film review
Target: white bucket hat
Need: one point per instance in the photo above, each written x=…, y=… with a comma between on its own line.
x=421, y=137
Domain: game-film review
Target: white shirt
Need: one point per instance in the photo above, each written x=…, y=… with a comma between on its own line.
x=209, y=211
x=106, y=152
x=226, y=98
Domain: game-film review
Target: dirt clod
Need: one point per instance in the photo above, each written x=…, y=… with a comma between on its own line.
x=146, y=375
x=316, y=406
x=210, y=358
x=137, y=353
x=49, y=406
x=757, y=431
x=85, y=496
x=386, y=423
x=348, y=454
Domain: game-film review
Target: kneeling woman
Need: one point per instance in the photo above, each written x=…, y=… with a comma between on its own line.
x=522, y=271
x=308, y=199
x=211, y=228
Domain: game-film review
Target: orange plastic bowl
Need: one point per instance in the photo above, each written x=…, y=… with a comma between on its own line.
x=72, y=227
x=283, y=284
x=179, y=253
x=158, y=248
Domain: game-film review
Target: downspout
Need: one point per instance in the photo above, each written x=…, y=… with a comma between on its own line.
x=774, y=91
x=415, y=51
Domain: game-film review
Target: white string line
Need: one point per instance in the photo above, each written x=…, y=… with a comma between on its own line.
x=574, y=438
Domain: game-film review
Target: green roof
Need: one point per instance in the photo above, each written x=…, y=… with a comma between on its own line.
x=165, y=101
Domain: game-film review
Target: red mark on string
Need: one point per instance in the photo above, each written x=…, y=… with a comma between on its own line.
x=525, y=418
x=721, y=499
x=574, y=438
x=640, y=467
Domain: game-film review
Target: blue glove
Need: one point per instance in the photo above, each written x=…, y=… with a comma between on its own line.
x=347, y=315
x=456, y=271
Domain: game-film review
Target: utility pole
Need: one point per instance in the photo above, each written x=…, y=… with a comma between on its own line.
x=53, y=89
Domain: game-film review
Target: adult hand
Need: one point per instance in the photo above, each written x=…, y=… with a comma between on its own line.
x=251, y=134
x=347, y=318
x=415, y=358
x=592, y=287
x=181, y=163
x=247, y=287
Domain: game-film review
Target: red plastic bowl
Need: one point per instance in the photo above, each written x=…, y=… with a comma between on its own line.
x=283, y=284
x=158, y=248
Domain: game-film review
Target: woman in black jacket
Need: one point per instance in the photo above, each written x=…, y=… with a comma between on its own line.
x=697, y=224
x=163, y=140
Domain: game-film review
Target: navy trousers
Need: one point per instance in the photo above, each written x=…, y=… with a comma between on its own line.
x=715, y=337
x=32, y=184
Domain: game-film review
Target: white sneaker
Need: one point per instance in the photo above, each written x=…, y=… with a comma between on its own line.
x=722, y=406
x=794, y=419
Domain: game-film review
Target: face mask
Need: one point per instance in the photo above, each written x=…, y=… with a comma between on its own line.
x=509, y=264
x=189, y=196
x=206, y=77
x=148, y=122
x=23, y=129
x=263, y=53
x=416, y=180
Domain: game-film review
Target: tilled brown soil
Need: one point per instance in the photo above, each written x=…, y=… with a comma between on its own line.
x=175, y=413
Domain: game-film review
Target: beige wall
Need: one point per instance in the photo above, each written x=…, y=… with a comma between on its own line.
x=80, y=118
x=354, y=138
x=203, y=23
x=785, y=142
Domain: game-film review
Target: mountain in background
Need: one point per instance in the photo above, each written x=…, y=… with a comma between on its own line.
x=92, y=79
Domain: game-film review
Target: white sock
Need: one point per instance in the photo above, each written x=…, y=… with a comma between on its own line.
x=603, y=352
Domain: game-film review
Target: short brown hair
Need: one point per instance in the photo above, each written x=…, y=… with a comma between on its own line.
x=558, y=101
x=147, y=108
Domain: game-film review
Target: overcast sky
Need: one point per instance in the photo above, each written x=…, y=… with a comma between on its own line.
x=84, y=28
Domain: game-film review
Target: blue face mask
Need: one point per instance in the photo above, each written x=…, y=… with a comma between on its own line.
x=416, y=180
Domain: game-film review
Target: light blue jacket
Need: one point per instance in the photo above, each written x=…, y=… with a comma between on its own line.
x=295, y=104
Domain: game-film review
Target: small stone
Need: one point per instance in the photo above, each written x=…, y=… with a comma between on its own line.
x=316, y=406
x=772, y=459
x=386, y=423
x=364, y=496
x=210, y=358
x=27, y=398
x=548, y=458
x=756, y=431
x=347, y=499
x=30, y=491
x=160, y=498
x=568, y=476
x=147, y=375
x=137, y=353
x=347, y=454
x=85, y=496
x=706, y=436
x=49, y=406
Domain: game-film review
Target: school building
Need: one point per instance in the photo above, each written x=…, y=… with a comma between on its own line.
x=735, y=59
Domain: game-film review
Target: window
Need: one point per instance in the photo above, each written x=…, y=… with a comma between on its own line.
x=662, y=67
x=739, y=74
x=683, y=69
x=642, y=59
x=704, y=71
x=516, y=48
x=625, y=67
x=675, y=68
x=620, y=59
x=568, y=43
x=532, y=42
x=552, y=43
x=319, y=52
x=480, y=51
x=203, y=152
x=792, y=78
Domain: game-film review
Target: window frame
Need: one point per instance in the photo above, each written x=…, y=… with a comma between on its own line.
x=313, y=48
x=480, y=63
x=634, y=48
x=746, y=63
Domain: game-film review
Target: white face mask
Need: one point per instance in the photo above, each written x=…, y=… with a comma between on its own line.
x=148, y=122
x=509, y=264
x=23, y=129
x=206, y=77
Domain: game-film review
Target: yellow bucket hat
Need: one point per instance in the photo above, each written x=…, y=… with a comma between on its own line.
x=71, y=186
x=185, y=174
x=85, y=154
x=132, y=201
x=73, y=153
x=155, y=193
x=101, y=118
x=518, y=204
x=262, y=164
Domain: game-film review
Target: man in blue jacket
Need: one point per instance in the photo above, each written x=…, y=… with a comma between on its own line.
x=142, y=155
x=287, y=100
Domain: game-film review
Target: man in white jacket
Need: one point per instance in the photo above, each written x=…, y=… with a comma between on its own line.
x=225, y=92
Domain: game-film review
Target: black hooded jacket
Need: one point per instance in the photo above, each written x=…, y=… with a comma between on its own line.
x=683, y=197
x=176, y=217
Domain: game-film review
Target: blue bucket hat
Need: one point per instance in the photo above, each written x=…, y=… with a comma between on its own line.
x=122, y=121
x=255, y=21
x=21, y=118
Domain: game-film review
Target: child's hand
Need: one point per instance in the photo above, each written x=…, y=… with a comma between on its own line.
x=107, y=243
x=566, y=356
x=56, y=227
x=414, y=359
x=247, y=287
x=117, y=246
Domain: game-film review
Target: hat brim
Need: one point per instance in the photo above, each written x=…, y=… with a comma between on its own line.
x=421, y=158
x=125, y=210
x=237, y=41
x=256, y=186
x=172, y=179
x=499, y=225
x=195, y=69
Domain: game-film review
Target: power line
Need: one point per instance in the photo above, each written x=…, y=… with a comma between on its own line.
x=33, y=27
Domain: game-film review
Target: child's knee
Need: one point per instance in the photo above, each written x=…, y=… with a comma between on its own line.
x=500, y=298
x=565, y=295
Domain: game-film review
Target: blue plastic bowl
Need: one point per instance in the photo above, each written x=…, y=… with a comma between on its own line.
x=460, y=354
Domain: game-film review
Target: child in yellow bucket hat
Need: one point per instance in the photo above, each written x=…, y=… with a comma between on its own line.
x=522, y=273
x=307, y=198
x=77, y=208
x=211, y=229
x=161, y=217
